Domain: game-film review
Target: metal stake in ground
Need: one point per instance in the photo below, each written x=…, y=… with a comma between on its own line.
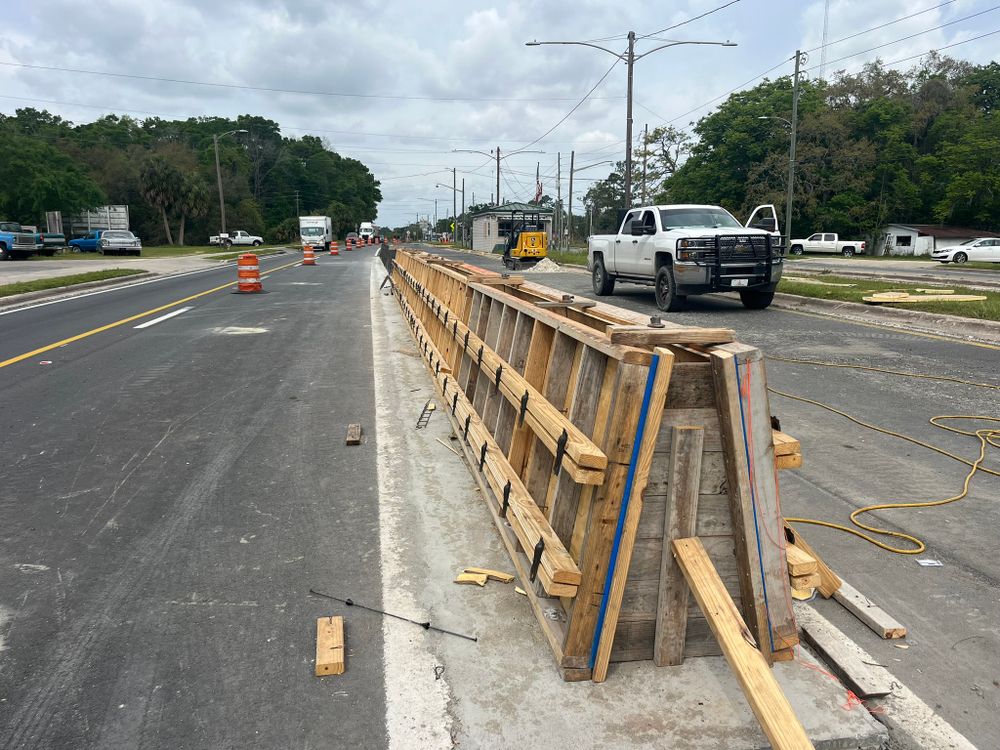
x=425, y=625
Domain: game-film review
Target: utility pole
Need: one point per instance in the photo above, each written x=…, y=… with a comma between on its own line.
x=645, y=154
x=297, y=212
x=218, y=175
x=435, y=215
x=463, y=211
x=569, y=239
x=791, y=150
x=498, y=175
x=454, y=201
x=630, y=61
x=559, y=198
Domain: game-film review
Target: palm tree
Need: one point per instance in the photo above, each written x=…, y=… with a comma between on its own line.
x=160, y=184
x=193, y=202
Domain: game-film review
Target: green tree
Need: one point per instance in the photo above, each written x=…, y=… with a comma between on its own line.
x=161, y=185
x=193, y=202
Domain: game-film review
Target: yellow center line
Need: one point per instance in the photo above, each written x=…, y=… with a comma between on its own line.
x=123, y=321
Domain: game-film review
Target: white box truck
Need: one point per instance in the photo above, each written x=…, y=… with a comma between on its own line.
x=366, y=230
x=316, y=231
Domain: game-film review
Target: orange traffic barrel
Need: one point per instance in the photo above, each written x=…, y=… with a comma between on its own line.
x=308, y=256
x=350, y=243
x=335, y=247
x=248, y=274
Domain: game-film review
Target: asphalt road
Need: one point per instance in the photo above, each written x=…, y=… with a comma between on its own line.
x=168, y=496
x=953, y=611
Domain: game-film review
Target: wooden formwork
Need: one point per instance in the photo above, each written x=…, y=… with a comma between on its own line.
x=597, y=439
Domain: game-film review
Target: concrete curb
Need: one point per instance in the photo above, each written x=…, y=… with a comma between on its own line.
x=948, y=326
x=16, y=300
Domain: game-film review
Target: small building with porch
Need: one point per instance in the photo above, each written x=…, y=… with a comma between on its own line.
x=922, y=239
x=492, y=226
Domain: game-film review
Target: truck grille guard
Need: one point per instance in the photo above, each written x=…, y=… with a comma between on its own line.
x=744, y=249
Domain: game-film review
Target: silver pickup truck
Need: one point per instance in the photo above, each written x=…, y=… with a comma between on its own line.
x=686, y=249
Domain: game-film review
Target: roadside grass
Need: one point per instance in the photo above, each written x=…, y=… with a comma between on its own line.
x=570, y=257
x=20, y=287
x=150, y=251
x=989, y=309
x=946, y=267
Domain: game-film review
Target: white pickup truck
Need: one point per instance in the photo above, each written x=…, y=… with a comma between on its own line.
x=239, y=237
x=689, y=249
x=826, y=242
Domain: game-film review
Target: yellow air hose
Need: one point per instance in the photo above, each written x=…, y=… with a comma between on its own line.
x=987, y=436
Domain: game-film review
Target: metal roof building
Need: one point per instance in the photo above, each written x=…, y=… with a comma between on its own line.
x=492, y=226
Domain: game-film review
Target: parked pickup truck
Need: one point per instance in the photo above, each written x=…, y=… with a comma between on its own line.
x=690, y=249
x=238, y=237
x=49, y=242
x=825, y=242
x=108, y=242
x=17, y=243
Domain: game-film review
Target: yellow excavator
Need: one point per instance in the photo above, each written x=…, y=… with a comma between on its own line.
x=527, y=242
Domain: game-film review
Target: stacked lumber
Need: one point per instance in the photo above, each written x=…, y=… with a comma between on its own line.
x=597, y=438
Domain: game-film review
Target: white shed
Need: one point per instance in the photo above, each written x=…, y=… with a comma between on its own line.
x=922, y=239
x=491, y=226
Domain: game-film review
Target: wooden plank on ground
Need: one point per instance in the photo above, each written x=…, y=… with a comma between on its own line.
x=767, y=701
x=785, y=445
x=872, y=615
x=800, y=562
x=644, y=460
x=680, y=521
x=329, y=646
x=829, y=581
x=353, y=434
x=646, y=336
x=845, y=658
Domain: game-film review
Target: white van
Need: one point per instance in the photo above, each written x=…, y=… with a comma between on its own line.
x=316, y=231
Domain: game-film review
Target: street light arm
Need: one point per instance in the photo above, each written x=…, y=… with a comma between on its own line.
x=775, y=117
x=619, y=55
x=675, y=44
x=595, y=164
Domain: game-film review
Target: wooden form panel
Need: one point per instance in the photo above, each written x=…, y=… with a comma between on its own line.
x=488, y=343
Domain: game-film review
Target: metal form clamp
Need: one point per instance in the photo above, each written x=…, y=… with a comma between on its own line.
x=560, y=451
x=536, y=559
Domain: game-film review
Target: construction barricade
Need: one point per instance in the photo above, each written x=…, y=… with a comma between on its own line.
x=248, y=274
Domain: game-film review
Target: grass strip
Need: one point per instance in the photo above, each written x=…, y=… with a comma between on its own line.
x=56, y=282
x=258, y=253
x=989, y=309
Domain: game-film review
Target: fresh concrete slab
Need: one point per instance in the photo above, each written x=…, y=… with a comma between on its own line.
x=504, y=690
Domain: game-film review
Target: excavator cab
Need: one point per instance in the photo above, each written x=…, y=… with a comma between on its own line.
x=527, y=242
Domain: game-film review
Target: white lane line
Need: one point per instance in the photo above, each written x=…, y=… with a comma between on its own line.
x=160, y=319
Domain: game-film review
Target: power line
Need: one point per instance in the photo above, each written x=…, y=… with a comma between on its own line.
x=690, y=20
x=938, y=49
x=881, y=26
x=908, y=37
x=275, y=90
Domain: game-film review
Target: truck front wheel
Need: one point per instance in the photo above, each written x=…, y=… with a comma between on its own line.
x=604, y=283
x=753, y=299
x=667, y=298
x=256, y=243
x=5, y=254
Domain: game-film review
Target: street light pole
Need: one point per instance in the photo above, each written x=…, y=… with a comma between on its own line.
x=630, y=59
x=218, y=174
x=491, y=154
x=572, y=171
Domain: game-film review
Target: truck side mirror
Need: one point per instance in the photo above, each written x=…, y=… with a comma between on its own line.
x=636, y=228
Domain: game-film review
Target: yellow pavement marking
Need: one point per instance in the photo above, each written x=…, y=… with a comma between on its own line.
x=122, y=322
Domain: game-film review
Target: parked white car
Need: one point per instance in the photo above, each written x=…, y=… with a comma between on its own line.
x=979, y=248
x=238, y=237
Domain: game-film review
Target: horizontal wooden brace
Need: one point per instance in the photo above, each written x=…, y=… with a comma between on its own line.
x=649, y=336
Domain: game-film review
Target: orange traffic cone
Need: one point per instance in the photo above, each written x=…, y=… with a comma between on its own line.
x=335, y=247
x=248, y=275
x=308, y=256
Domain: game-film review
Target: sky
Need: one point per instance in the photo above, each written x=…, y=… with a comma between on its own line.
x=404, y=86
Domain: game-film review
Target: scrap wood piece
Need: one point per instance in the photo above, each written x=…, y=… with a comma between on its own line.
x=353, y=434
x=805, y=582
x=476, y=578
x=496, y=575
x=859, y=605
x=829, y=581
x=894, y=298
x=647, y=336
x=800, y=562
x=766, y=699
x=329, y=645
x=785, y=445
x=845, y=658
